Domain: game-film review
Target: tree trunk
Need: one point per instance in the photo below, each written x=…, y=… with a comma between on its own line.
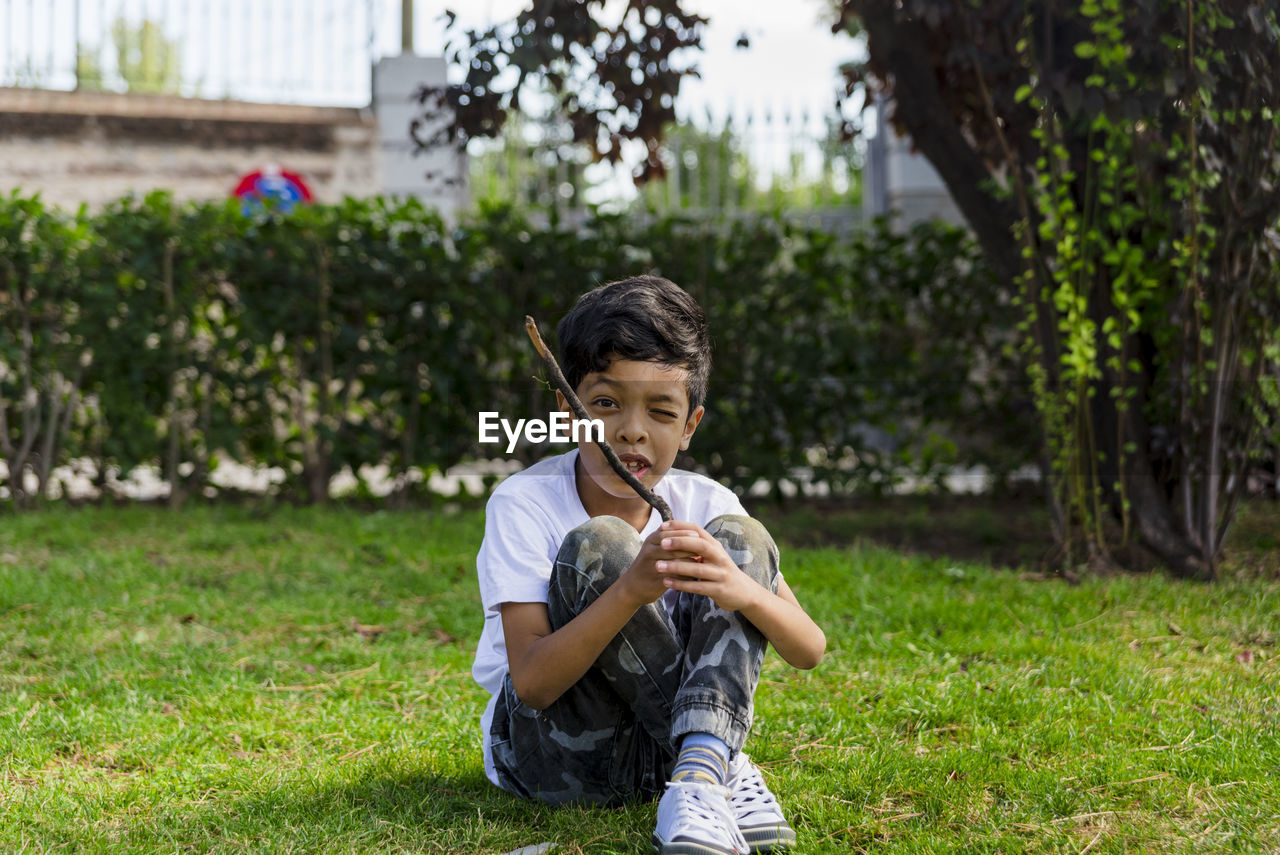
x=315, y=472
x=59, y=424
x=173, y=451
x=29, y=410
x=320, y=450
x=901, y=46
x=1156, y=522
x=409, y=439
x=200, y=478
x=1151, y=510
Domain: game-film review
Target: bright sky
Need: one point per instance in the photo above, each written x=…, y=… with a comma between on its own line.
x=793, y=57
x=792, y=62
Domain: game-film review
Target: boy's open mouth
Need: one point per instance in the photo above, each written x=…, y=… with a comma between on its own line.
x=637, y=464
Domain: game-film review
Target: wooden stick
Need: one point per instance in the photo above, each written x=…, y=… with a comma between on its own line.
x=559, y=381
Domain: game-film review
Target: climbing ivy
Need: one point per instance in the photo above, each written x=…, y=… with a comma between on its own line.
x=1151, y=278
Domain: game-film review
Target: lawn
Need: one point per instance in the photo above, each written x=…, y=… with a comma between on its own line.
x=289, y=680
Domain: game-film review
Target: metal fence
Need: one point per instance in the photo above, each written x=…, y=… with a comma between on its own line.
x=286, y=51
x=735, y=163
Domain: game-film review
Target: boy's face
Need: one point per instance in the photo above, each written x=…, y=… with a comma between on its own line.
x=645, y=410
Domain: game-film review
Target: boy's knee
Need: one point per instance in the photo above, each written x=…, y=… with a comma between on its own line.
x=605, y=531
x=750, y=546
x=601, y=548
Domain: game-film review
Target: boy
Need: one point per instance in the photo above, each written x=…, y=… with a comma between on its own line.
x=623, y=652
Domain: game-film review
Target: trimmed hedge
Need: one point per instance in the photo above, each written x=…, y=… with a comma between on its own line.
x=372, y=332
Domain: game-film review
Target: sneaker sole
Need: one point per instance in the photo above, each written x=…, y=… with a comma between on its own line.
x=687, y=847
x=769, y=838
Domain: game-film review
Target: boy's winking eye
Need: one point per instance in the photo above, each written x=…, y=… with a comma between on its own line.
x=665, y=396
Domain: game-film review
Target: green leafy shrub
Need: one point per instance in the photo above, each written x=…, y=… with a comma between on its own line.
x=372, y=333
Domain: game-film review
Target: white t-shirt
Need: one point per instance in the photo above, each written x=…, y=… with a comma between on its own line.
x=526, y=520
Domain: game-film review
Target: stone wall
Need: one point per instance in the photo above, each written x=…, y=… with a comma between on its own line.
x=76, y=147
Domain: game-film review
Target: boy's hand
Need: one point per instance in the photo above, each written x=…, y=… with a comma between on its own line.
x=643, y=580
x=695, y=562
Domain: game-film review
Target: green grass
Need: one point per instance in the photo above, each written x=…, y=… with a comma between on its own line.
x=298, y=680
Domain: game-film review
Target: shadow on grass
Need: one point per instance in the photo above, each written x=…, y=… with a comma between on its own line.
x=386, y=811
x=1002, y=532
x=411, y=810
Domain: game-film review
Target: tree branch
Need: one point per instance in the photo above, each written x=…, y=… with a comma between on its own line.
x=558, y=379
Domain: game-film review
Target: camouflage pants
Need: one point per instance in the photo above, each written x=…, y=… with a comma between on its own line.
x=610, y=737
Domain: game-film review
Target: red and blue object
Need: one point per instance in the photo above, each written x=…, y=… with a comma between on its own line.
x=279, y=189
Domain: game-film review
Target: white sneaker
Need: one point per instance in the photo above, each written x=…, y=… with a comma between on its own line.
x=756, y=811
x=694, y=818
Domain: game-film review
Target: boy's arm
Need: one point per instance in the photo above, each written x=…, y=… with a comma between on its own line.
x=779, y=617
x=543, y=663
x=786, y=624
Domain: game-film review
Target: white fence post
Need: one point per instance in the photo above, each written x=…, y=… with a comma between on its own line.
x=437, y=176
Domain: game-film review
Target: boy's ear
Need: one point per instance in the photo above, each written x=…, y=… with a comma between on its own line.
x=695, y=418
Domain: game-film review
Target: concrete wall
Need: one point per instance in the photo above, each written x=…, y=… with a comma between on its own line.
x=903, y=182
x=76, y=147
x=914, y=188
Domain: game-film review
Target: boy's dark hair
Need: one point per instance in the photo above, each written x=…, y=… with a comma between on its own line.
x=645, y=318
